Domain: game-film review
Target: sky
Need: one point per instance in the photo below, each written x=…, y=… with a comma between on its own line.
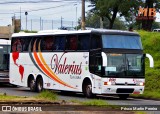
x=50, y=12
x=43, y=14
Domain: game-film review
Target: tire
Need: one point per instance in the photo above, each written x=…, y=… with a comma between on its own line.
x=123, y=96
x=39, y=85
x=32, y=85
x=88, y=90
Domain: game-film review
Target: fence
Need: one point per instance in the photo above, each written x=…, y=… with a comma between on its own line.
x=41, y=24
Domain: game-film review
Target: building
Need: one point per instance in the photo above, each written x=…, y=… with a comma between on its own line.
x=6, y=32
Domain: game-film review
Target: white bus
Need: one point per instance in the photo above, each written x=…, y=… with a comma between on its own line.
x=156, y=30
x=4, y=60
x=94, y=61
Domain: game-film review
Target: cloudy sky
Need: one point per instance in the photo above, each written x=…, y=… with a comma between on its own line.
x=42, y=14
x=48, y=11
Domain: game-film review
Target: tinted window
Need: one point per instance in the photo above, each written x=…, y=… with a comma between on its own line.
x=20, y=44
x=92, y=63
x=71, y=42
x=4, y=57
x=95, y=42
x=83, y=42
x=121, y=41
x=60, y=42
x=48, y=43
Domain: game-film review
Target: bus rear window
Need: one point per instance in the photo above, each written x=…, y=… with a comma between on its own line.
x=121, y=42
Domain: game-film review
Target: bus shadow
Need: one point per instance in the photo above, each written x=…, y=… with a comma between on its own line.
x=80, y=95
x=77, y=95
x=8, y=86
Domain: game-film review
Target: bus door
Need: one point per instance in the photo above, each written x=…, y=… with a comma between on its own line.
x=95, y=63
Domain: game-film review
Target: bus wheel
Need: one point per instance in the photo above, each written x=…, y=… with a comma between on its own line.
x=32, y=85
x=123, y=96
x=39, y=84
x=88, y=91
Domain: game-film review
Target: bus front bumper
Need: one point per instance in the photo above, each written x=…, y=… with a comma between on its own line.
x=122, y=89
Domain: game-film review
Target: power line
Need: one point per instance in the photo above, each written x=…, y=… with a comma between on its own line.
x=43, y=8
x=46, y=1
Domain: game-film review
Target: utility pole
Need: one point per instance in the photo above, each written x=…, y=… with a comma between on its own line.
x=61, y=22
x=52, y=24
x=83, y=15
x=40, y=23
x=20, y=20
x=31, y=24
x=26, y=13
x=76, y=15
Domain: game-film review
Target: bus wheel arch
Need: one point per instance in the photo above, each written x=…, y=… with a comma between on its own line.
x=87, y=88
x=39, y=83
x=31, y=83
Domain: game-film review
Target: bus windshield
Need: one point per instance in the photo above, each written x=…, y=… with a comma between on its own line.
x=121, y=41
x=4, y=57
x=125, y=65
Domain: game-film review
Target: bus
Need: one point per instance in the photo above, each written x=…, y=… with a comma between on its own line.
x=156, y=30
x=94, y=62
x=4, y=60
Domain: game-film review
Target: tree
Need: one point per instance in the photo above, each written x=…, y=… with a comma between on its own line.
x=147, y=24
x=111, y=8
x=93, y=21
x=155, y=25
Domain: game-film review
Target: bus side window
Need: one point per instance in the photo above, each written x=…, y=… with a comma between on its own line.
x=25, y=43
x=83, y=42
x=60, y=42
x=95, y=65
x=98, y=65
x=95, y=41
x=48, y=43
x=71, y=42
x=17, y=45
x=92, y=63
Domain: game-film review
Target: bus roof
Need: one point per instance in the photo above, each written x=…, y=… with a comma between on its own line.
x=115, y=32
x=57, y=32
x=5, y=42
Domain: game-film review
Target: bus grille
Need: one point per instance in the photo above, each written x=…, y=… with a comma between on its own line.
x=122, y=90
x=124, y=84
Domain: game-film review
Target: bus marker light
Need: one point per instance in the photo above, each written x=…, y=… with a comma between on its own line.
x=105, y=83
x=136, y=92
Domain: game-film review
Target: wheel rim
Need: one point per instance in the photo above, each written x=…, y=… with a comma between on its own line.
x=88, y=90
x=32, y=84
x=40, y=85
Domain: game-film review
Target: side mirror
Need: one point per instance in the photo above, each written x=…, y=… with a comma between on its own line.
x=150, y=60
x=104, y=59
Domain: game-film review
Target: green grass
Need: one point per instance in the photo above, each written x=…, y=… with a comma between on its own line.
x=6, y=97
x=151, y=45
x=27, y=31
x=47, y=95
x=140, y=112
x=98, y=103
x=149, y=95
x=95, y=102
